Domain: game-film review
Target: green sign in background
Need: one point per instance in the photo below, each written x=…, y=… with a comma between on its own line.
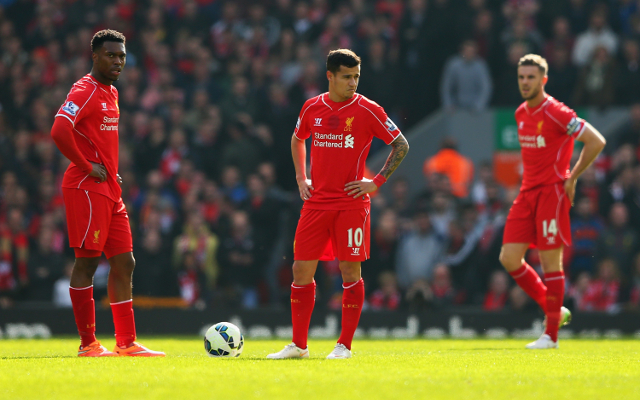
x=506, y=129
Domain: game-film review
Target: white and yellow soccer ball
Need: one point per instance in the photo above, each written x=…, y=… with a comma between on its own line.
x=223, y=339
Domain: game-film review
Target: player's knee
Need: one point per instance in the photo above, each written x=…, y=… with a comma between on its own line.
x=85, y=267
x=301, y=270
x=124, y=266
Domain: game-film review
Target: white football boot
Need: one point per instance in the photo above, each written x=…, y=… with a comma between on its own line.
x=543, y=342
x=339, y=352
x=290, y=351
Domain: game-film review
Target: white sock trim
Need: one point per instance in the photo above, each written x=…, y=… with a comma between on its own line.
x=352, y=285
x=80, y=288
x=120, y=302
x=554, y=278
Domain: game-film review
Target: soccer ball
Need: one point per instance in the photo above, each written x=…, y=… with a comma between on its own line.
x=223, y=340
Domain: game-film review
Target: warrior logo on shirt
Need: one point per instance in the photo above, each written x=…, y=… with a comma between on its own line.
x=70, y=108
x=318, y=122
x=348, y=123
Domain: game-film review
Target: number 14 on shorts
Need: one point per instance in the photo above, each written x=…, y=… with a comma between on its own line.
x=549, y=227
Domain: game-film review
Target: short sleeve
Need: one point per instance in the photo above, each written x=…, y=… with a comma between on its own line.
x=567, y=119
x=75, y=107
x=302, y=130
x=382, y=126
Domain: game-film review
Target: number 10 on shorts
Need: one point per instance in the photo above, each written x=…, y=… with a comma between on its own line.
x=549, y=227
x=355, y=237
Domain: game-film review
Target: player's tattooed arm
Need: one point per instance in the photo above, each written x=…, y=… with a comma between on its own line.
x=400, y=148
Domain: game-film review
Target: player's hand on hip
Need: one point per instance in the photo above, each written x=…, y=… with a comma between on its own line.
x=98, y=171
x=360, y=188
x=119, y=179
x=305, y=188
x=570, y=189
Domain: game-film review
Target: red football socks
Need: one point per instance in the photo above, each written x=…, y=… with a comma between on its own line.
x=84, y=311
x=352, y=301
x=124, y=323
x=529, y=280
x=303, y=298
x=555, y=297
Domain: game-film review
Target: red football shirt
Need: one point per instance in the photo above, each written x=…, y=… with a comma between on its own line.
x=546, y=135
x=341, y=135
x=92, y=108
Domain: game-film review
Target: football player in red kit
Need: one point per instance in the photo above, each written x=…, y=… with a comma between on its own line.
x=86, y=132
x=547, y=130
x=335, y=220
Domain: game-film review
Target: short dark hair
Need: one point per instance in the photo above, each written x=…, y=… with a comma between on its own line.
x=536, y=61
x=339, y=57
x=106, y=35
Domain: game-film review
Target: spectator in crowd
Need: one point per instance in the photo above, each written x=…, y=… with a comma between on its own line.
x=561, y=39
x=444, y=294
x=45, y=265
x=562, y=75
x=596, y=81
x=618, y=242
x=61, y=296
x=599, y=34
x=629, y=134
x=384, y=248
x=603, y=291
x=634, y=285
x=14, y=255
x=240, y=269
x=496, y=297
x=387, y=296
x=466, y=82
x=199, y=242
x=419, y=252
x=627, y=82
x=155, y=274
x=586, y=228
x=449, y=162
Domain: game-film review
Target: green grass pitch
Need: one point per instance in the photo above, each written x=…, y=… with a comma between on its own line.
x=401, y=369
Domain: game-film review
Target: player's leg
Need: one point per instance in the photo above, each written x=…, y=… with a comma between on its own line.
x=118, y=250
x=87, y=215
x=84, y=310
x=519, y=231
x=512, y=258
x=352, y=301
x=553, y=233
x=311, y=244
x=351, y=239
x=551, y=261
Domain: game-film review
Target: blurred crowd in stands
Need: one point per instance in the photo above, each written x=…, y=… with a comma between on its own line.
x=209, y=100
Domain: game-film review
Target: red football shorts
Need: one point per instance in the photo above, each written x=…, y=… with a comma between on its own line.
x=96, y=224
x=325, y=234
x=540, y=216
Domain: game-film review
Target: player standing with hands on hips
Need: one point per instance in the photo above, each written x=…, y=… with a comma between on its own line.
x=335, y=218
x=86, y=132
x=540, y=214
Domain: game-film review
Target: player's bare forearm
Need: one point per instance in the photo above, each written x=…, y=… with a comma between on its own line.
x=594, y=143
x=299, y=154
x=400, y=148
